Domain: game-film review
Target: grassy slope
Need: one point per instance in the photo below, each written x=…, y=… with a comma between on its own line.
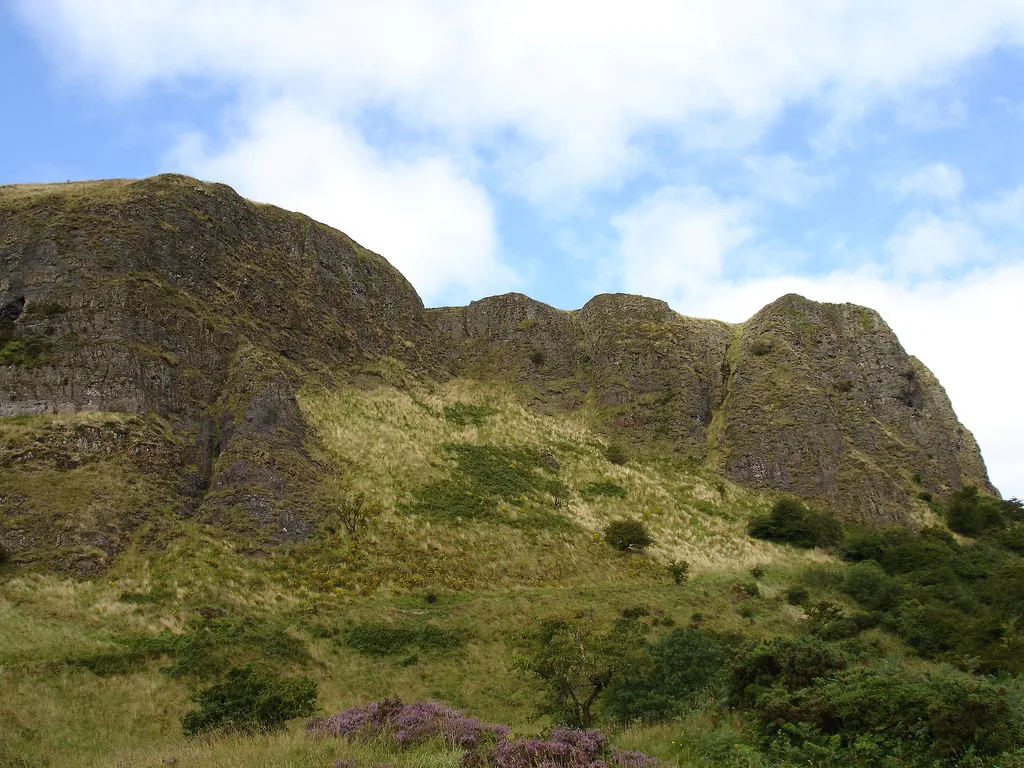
x=491, y=580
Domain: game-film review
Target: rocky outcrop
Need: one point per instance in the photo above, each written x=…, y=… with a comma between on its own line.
x=181, y=299
x=825, y=403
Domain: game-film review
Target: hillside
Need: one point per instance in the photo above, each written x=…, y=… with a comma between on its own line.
x=156, y=335
x=246, y=478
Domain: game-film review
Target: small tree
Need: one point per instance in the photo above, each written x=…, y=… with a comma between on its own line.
x=627, y=536
x=679, y=570
x=577, y=662
x=355, y=512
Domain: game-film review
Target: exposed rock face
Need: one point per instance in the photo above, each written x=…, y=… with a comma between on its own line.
x=203, y=312
x=178, y=298
x=825, y=403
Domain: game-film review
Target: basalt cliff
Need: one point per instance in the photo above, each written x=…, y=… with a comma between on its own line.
x=154, y=335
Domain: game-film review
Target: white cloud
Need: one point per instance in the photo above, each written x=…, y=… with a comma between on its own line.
x=676, y=240
x=572, y=82
x=925, y=244
x=782, y=178
x=937, y=181
x=434, y=224
x=1006, y=209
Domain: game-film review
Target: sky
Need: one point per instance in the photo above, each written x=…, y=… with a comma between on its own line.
x=713, y=154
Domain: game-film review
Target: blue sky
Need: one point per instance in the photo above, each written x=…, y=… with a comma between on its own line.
x=716, y=155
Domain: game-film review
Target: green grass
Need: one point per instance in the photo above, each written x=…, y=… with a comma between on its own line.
x=427, y=600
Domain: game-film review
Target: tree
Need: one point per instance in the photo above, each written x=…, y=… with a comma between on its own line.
x=791, y=522
x=627, y=535
x=577, y=661
x=679, y=570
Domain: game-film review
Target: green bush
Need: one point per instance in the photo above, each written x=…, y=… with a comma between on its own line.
x=679, y=570
x=485, y=476
x=790, y=662
x=251, y=701
x=797, y=595
x=893, y=712
x=791, y=522
x=869, y=584
x=212, y=645
x=627, y=536
x=681, y=663
x=5, y=556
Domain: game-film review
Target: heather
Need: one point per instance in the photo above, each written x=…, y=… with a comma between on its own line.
x=481, y=744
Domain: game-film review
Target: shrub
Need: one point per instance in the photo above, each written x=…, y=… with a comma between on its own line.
x=250, y=700
x=972, y=514
x=791, y=522
x=918, y=717
x=679, y=570
x=868, y=584
x=212, y=645
x=797, y=595
x=537, y=357
x=487, y=475
x=681, y=663
x=5, y=556
x=627, y=536
x=757, y=572
x=792, y=663
x=481, y=744
x=617, y=454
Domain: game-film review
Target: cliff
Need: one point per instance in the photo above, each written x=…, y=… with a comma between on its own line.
x=158, y=331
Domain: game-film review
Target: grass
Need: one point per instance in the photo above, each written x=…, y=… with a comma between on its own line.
x=138, y=712
x=420, y=602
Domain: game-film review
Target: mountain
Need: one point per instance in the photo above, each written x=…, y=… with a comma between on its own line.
x=157, y=338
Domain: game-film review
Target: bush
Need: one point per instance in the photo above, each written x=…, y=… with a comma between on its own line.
x=791, y=522
x=792, y=663
x=464, y=414
x=5, y=556
x=868, y=584
x=250, y=700
x=972, y=514
x=681, y=663
x=679, y=570
x=797, y=595
x=627, y=536
x=213, y=645
x=917, y=717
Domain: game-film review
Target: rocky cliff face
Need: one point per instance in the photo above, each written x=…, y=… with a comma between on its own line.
x=825, y=403
x=180, y=299
x=201, y=313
